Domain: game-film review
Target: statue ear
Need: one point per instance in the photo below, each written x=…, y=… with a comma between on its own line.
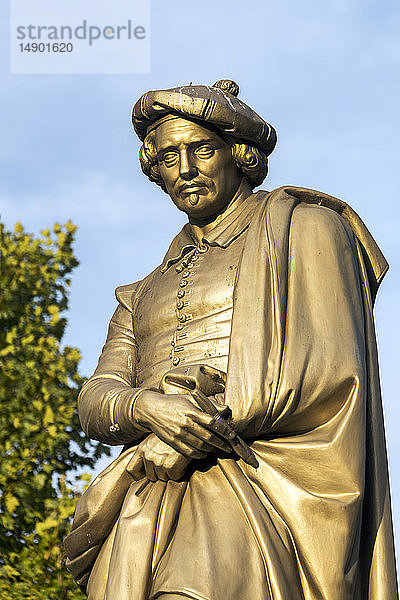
x=149, y=161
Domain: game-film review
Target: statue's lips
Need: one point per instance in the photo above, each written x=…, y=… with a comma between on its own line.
x=186, y=190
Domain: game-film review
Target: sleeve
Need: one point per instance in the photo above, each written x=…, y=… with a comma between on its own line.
x=106, y=401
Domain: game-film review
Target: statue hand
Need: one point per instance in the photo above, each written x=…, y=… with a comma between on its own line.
x=179, y=422
x=155, y=460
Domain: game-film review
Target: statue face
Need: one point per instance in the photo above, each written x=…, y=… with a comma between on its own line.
x=197, y=168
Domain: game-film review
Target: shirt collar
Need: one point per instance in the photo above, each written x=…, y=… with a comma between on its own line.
x=223, y=234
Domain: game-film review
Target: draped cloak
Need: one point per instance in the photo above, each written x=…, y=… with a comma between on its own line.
x=303, y=385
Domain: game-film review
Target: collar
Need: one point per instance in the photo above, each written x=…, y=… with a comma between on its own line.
x=223, y=234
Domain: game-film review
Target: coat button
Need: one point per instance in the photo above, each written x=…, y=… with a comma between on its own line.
x=185, y=274
x=179, y=304
x=179, y=268
x=176, y=361
x=182, y=318
x=183, y=283
x=181, y=293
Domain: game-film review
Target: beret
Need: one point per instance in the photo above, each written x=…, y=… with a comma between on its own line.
x=215, y=105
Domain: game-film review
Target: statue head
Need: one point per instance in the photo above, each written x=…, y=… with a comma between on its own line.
x=200, y=143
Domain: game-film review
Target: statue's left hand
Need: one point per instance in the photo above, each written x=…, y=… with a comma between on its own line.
x=155, y=460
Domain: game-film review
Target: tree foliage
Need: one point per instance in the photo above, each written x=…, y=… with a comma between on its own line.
x=41, y=442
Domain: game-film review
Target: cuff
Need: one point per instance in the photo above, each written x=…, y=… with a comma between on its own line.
x=122, y=415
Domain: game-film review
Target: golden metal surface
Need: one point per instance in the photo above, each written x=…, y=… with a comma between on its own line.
x=275, y=291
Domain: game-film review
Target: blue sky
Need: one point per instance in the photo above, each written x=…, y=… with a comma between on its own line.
x=326, y=75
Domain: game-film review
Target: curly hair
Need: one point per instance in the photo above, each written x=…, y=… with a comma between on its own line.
x=250, y=160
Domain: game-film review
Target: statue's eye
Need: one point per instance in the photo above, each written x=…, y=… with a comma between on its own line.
x=169, y=158
x=204, y=151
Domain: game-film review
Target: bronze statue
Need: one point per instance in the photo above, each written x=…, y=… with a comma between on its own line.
x=242, y=377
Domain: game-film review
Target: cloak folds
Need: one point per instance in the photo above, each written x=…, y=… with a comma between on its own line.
x=303, y=386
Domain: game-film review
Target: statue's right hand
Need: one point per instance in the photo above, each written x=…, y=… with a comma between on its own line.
x=179, y=422
x=154, y=459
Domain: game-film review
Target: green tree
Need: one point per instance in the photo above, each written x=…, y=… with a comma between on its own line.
x=41, y=442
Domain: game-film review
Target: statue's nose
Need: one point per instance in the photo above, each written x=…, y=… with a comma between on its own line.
x=187, y=169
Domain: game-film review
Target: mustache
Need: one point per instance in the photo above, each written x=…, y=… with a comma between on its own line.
x=193, y=186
